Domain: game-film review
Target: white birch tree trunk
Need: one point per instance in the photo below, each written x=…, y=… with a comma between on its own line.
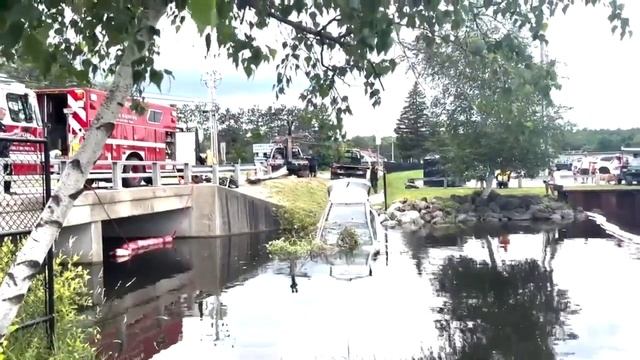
x=31, y=257
x=488, y=184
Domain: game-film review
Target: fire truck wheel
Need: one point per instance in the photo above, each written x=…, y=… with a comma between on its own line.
x=138, y=169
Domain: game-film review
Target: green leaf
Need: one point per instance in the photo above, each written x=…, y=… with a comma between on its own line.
x=155, y=77
x=203, y=13
x=272, y=52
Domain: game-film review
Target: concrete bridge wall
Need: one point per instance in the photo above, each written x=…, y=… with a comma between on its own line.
x=190, y=210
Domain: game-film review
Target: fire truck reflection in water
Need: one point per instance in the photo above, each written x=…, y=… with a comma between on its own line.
x=20, y=119
x=68, y=113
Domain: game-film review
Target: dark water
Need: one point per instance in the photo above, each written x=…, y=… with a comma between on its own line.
x=509, y=293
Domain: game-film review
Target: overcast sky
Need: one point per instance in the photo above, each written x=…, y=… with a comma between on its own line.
x=600, y=75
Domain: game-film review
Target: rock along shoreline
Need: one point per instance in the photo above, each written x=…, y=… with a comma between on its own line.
x=468, y=210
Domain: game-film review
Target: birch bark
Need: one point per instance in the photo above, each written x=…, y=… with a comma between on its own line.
x=29, y=259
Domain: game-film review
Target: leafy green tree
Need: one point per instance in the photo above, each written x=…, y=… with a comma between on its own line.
x=363, y=142
x=325, y=135
x=413, y=129
x=490, y=106
x=327, y=41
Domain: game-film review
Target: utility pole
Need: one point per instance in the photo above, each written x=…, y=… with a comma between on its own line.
x=393, y=154
x=211, y=80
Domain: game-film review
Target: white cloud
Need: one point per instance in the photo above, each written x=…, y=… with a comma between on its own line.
x=601, y=74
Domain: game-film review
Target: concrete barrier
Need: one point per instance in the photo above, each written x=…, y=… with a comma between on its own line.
x=201, y=210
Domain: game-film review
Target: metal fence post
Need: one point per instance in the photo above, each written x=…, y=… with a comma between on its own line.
x=117, y=175
x=236, y=172
x=187, y=173
x=50, y=306
x=215, y=174
x=156, y=179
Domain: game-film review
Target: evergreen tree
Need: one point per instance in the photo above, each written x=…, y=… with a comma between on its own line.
x=413, y=129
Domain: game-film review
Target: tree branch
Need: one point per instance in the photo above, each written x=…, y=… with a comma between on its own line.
x=320, y=33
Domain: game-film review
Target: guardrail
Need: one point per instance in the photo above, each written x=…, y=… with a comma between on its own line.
x=160, y=170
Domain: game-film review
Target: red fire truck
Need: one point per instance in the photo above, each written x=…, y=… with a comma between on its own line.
x=20, y=117
x=68, y=113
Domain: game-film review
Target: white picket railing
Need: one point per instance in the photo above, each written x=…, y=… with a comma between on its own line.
x=160, y=171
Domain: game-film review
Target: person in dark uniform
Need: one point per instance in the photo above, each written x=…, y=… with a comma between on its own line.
x=374, y=178
x=313, y=165
x=5, y=162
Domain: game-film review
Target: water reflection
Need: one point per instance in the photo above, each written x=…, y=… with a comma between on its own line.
x=487, y=293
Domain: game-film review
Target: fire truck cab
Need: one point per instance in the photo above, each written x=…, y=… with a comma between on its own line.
x=20, y=117
x=19, y=108
x=68, y=113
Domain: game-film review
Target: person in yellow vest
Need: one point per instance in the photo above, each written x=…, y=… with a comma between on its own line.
x=503, y=178
x=75, y=145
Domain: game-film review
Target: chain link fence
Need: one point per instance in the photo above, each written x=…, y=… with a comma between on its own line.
x=25, y=187
x=24, y=179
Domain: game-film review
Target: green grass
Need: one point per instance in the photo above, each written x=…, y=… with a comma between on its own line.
x=308, y=194
x=396, y=190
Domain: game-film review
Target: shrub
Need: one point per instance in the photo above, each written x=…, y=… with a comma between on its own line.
x=72, y=335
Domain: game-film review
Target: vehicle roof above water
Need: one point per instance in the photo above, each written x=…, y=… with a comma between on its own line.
x=349, y=191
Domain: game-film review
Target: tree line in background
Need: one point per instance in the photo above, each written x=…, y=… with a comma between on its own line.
x=314, y=129
x=601, y=139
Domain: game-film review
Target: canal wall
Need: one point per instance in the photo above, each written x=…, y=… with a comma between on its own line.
x=100, y=221
x=620, y=205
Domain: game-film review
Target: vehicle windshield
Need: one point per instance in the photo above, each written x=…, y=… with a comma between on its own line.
x=343, y=215
x=21, y=110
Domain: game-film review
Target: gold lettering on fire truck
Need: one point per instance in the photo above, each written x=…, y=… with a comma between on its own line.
x=130, y=118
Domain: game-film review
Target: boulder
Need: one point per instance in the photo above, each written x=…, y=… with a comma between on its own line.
x=506, y=203
x=465, y=219
x=426, y=217
x=518, y=215
x=437, y=221
x=540, y=212
x=555, y=218
x=566, y=214
x=527, y=201
x=556, y=205
x=493, y=207
x=421, y=205
x=466, y=208
x=393, y=208
x=383, y=218
x=410, y=217
x=407, y=207
x=460, y=199
x=437, y=214
x=390, y=224
x=491, y=217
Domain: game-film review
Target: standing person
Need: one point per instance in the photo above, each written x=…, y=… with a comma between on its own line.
x=313, y=165
x=374, y=178
x=549, y=183
x=5, y=161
